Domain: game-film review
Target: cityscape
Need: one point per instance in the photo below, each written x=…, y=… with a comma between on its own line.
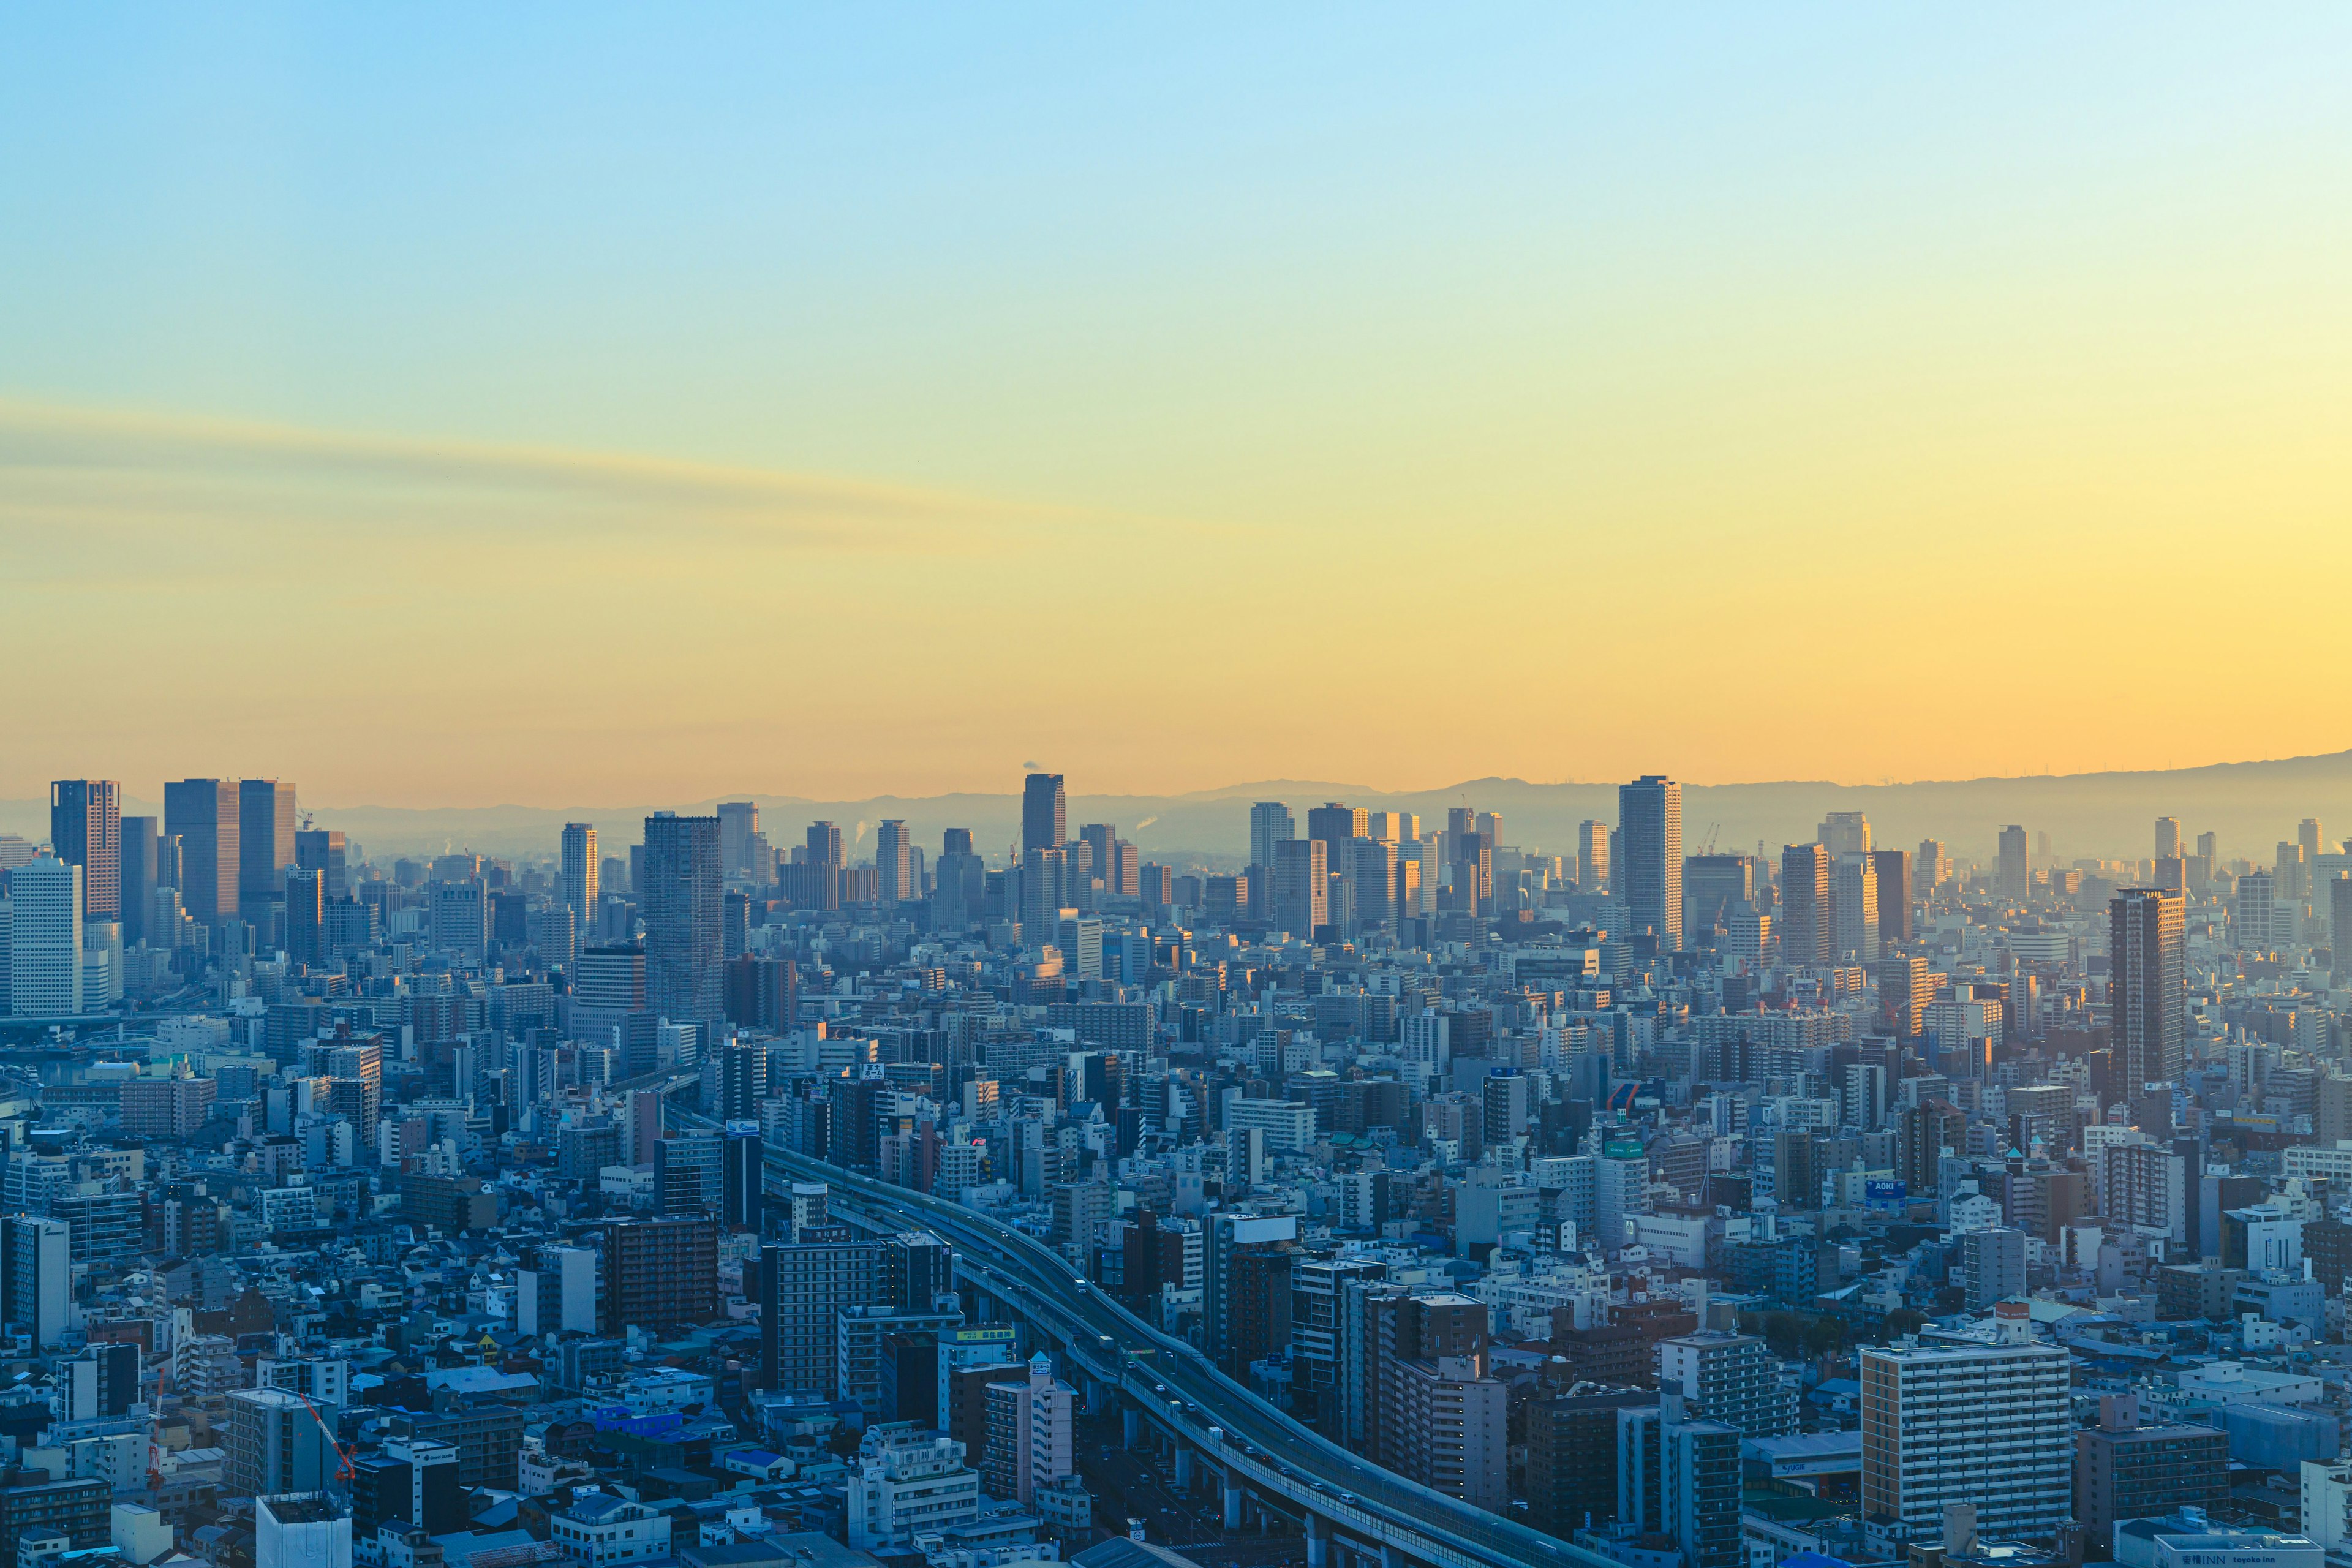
x=699, y=1188
x=1528, y=786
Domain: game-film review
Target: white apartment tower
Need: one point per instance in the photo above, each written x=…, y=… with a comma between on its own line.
x=1988, y=1424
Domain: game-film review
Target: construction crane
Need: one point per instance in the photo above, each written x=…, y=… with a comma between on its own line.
x=1713, y=828
x=343, y=1471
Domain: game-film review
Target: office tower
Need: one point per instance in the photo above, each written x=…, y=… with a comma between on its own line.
x=2253, y=916
x=2168, y=837
x=265, y=849
x=804, y=1286
x=86, y=830
x=681, y=901
x=1934, y=867
x=742, y=1165
x=1300, y=901
x=739, y=823
x=2308, y=838
x=2015, y=876
x=1924, y=1133
x=579, y=874
x=959, y=883
x=1336, y=825
x=1372, y=866
x=1649, y=869
x=321, y=849
x=1079, y=938
x=1572, y=1455
x=306, y=918
x=1270, y=824
x=2293, y=867
x=1808, y=906
x=661, y=1270
x=1592, y=856
x=2208, y=854
x=1044, y=813
x=1892, y=869
x=1101, y=841
x=2147, y=984
x=461, y=920
x=1844, y=833
x=893, y=864
x=274, y=1445
x=36, y=1277
x=1730, y=1378
x=1992, y=1266
x=45, y=940
x=1985, y=1425
x=1714, y=886
x=203, y=815
x=1856, y=905
x=139, y=874
x=689, y=1173
x=411, y=1480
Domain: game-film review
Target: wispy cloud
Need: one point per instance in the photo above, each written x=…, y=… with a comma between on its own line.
x=109, y=471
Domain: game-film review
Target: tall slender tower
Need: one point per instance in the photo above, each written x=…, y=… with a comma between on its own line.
x=1650, y=857
x=1592, y=856
x=1044, y=813
x=1808, y=914
x=86, y=830
x=579, y=874
x=894, y=862
x=264, y=847
x=1270, y=823
x=2147, y=984
x=682, y=900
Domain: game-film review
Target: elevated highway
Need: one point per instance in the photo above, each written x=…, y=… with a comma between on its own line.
x=1348, y=1505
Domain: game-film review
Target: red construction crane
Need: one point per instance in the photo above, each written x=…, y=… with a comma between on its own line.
x=343, y=1471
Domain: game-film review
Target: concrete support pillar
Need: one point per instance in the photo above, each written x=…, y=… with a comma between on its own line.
x=1183, y=1468
x=1131, y=1424
x=1233, y=1501
x=1318, y=1540
x=1391, y=1555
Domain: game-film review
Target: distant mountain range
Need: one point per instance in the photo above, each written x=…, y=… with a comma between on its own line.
x=2251, y=805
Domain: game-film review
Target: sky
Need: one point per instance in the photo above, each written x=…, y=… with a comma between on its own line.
x=570, y=403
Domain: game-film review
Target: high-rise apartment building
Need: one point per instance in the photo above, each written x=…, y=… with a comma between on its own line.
x=264, y=848
x=661, y=1270
x=1934, y=867
x=1856, y=907
x=274, y=1445
x=37, y=1275
x=2168, y=837
x=1808, y=905
x=893, y=863
x=322, y=850
x=683, y=885
x=1649, y=871
x=2147, y=984
x=2340, y=926
x=203, y=816
x=1730, y=1378
x=1987, y=1425
x=579, y=869
x=45, y=940
x=86, y=830
x=1044, y=813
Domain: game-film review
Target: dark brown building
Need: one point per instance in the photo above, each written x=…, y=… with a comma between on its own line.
x=660, y=1271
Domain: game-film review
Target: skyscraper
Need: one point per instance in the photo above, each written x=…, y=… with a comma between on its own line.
x=1856, y=904
x=1808, y=914
x=1592, y=856
x=86, y=830
x=203, y=815
x=1270, y=823
x=321, y=849
x=1043, y=873
x=45, y=940
x=684, y=982
x=1649, y=869
x=2168, y=837
x=1301, y=897
x=893, y=863
x=2015, y=878
x=141, y=873
x=1044, y=813
x=1845, y=833
x=2339, y=927
x=306, y=916
x=37, y=1275
x=1934, y=867
x=737, y=821
x=580, y=873
x=2147, y=930
x=1894, y=869
x=264, y=848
